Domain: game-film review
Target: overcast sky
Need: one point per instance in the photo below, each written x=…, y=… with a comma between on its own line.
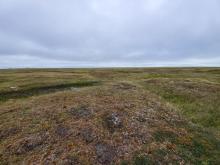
x=98, y=33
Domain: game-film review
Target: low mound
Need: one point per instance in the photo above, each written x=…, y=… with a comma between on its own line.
x=98, y=125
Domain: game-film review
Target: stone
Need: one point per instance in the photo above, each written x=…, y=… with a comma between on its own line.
x=113, y=121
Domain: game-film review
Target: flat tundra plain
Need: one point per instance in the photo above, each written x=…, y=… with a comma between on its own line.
x=120, y=116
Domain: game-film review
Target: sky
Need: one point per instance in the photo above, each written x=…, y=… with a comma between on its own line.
x=109, y=33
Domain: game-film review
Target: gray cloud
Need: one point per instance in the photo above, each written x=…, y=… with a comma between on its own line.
x=79, y=33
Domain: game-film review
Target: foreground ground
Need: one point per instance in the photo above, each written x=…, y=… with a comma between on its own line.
x=110, y=116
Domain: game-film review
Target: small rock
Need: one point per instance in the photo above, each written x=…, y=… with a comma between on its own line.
x=105, y=153
x=113, y=122
x=13, y=88
x=74, y=89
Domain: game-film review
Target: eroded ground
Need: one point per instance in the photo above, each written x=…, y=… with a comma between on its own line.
x=110, y=116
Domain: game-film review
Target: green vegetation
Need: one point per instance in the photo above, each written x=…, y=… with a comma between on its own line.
x=196, y=99
x=142, y=160
x=165, y=135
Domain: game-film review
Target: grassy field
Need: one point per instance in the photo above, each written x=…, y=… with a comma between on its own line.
x=110, y=116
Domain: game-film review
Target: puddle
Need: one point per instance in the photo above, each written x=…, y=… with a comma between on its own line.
x=4, y=96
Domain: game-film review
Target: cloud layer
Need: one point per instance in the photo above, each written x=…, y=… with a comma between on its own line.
x=90, y=33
